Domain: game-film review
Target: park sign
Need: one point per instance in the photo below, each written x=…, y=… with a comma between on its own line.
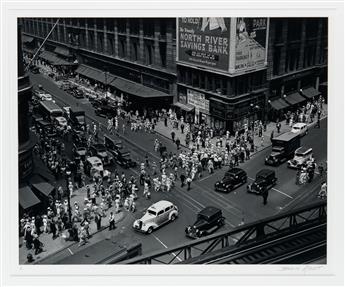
x=228, y=45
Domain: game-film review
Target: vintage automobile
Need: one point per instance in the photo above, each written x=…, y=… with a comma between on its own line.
x=232, y=179
x=302, y=156
x=300, y=128
x=79, y=151
x=60, y=123
x=264, y=180
x=208, y=220
x=155, y=216
x=100, y=151
x=47, y=128
x=112, y=145
x=106, y=111
x=93, y=165
x=123, y=158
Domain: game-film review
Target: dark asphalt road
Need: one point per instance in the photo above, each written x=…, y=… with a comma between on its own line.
x=238, y=206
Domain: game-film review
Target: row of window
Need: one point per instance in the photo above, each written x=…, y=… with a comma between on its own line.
x=221, y=84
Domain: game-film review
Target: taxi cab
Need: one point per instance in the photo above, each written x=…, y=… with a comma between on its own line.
x=155, y=216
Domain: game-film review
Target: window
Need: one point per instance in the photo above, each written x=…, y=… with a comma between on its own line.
x=148, y=25
x=134, y=26
x=160, y=212
x=121, y=25
x=294, y=29
x=91, y=40
x=109, y=22
x=168, y=208
x=312, y=27
x=110, y=45
x=122, y=47
x=90, y=23
x=148, y=53
x=100, y=23
x=278, y=35
x=163, y=53
x=276, y=60
x=134, y=50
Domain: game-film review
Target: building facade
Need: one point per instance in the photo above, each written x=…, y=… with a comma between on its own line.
x=252, y=68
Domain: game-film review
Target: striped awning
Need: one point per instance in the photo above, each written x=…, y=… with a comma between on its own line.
x=95, y=74
x=53, y=59
x=27, y=198
x=310, y=92
x=279, y=104
x=294, y=98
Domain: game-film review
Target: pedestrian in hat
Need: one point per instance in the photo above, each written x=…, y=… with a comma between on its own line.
x=264, y=196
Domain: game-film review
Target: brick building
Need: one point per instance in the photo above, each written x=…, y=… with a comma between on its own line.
x=139, y=58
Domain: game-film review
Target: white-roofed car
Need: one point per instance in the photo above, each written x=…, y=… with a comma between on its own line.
x=61, y=123
x=155, y=216
x=94, y=166
x=300, y=128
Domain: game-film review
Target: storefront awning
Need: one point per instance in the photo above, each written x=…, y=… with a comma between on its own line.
x=27, y=39
x=279, y=104
x=53, y=59
x=62, y=51
x=137, y=89
x=95, y=74
x=41, y=185
x=310, y=92
x=27, y=198
x=294, y=98
x=185, y=107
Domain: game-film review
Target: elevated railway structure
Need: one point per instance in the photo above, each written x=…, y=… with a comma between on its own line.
x=295, y=237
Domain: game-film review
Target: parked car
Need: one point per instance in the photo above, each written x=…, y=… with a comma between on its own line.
x=300, y=128
x=232, y=179
x=106, y=111
x=101, y=152
x=112, y=145
x=79, y=151
x=264, y=180
x=208, y=221
x=78, y=94
x=43, y=96
x=302, y=156
x=60, y=123
x=123, y=158
x=155, y=216
x=93, y=165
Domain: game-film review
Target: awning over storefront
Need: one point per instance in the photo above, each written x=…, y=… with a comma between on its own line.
x=41, y=185
x=310, y=92
x=137, y=89
x=27, y=198
x=96, y=74
x=62, y=51
x=27, y=39
x=53, y=59
x=185, y=107
x=279, y=104
x=294, y=98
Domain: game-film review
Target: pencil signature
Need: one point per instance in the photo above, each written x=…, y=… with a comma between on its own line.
x=301, y=268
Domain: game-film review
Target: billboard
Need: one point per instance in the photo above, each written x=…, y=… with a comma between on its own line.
x=232, y=45
x=251, y=44
x=204, y=42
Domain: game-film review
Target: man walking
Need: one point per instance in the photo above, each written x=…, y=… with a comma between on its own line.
x=182, y=128
x=265, y=195
x=173, y=136
x=178, y=143
x=182, y=178
x=189, y=181
x=278, y=127
x=111, y=221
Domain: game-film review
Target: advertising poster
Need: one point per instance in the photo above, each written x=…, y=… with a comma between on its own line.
x=250, y=43
x=198, y=100
x=204, y=42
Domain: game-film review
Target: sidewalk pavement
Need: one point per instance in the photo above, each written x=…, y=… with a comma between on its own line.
x=51, y=246
x=258, y=142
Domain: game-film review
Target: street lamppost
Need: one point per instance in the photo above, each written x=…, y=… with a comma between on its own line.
x=68, y=173
x=253, y=112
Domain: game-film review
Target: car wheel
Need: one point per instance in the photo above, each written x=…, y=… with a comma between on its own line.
x=173, y=217
x=149, y=231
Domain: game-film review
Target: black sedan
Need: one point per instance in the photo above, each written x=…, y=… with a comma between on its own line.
x=232, y=179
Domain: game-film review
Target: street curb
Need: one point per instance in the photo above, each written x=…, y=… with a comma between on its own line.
x=73, y=243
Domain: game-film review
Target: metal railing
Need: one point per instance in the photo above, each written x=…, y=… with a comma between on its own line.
x=285, y=223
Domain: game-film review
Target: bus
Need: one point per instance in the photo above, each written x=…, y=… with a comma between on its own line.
x=50, y=110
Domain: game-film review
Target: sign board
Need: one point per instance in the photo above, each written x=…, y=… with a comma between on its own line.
x=204, y=41
x=198, y=100
x=250, y=46
x=231, y=45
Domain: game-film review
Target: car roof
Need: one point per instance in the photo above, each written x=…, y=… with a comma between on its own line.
x=265, y=172
x=209, y=211
x=299, y=125
x=160, y=205
x=235, y=170
x=304, y=149
x=94, y=159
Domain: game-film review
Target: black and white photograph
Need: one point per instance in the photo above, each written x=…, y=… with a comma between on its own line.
x=173, y=141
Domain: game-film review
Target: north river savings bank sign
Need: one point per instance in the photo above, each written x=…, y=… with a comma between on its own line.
x=230, y=45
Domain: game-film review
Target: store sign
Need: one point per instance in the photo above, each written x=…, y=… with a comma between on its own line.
x=204, y=41
x=251, y=34
x=198, y=100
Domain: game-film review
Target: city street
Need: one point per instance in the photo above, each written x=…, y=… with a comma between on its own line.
x=238, y=206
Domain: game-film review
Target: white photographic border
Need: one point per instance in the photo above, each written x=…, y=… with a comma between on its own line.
x=39, y=275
